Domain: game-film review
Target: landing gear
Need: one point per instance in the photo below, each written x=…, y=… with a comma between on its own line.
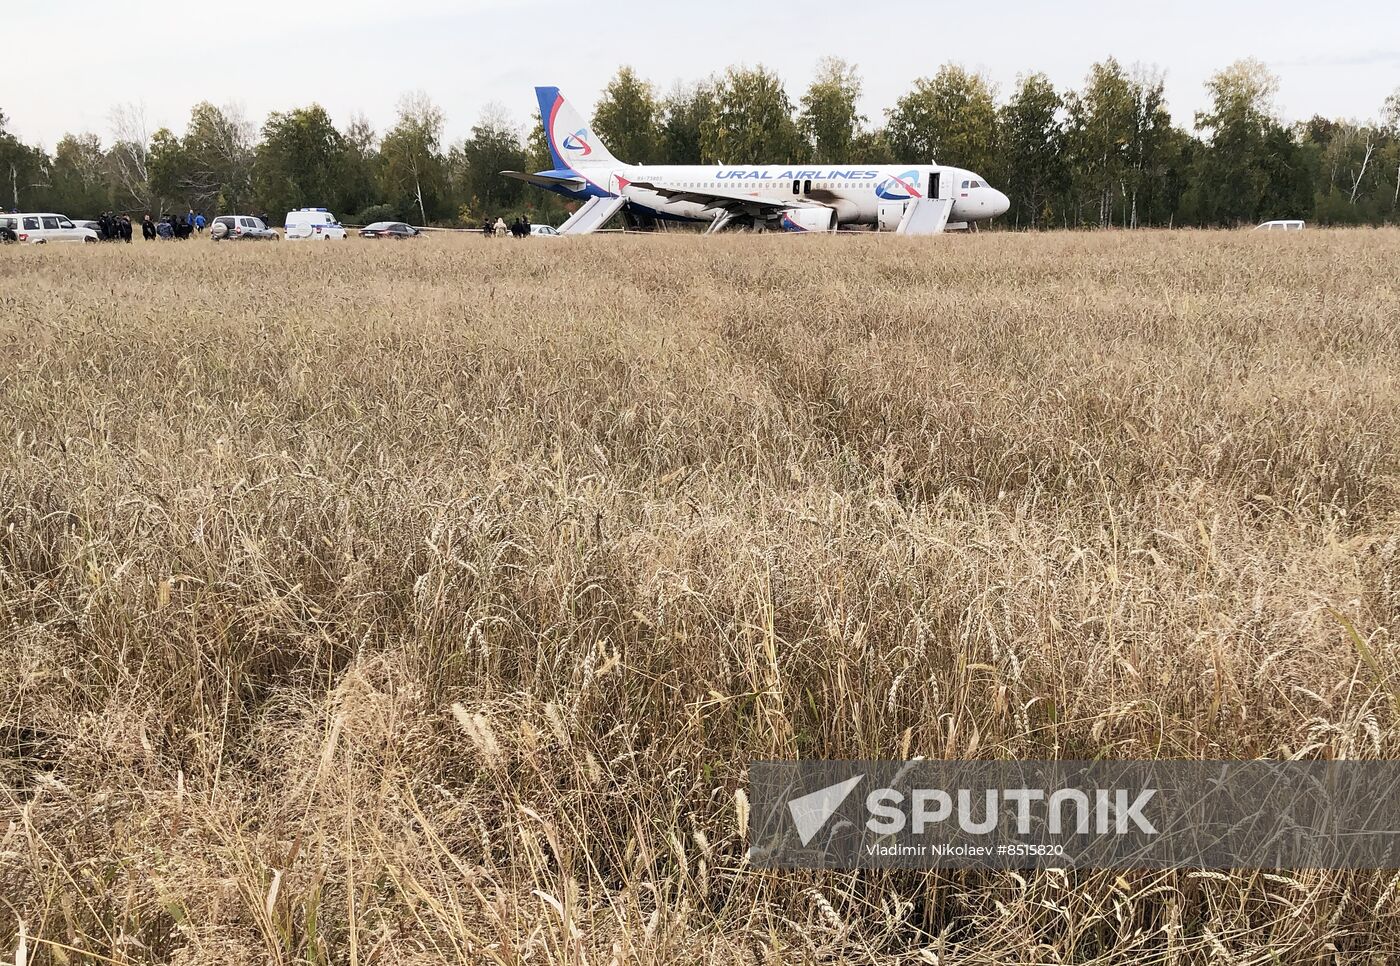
x=637, y=218
x=719, y=224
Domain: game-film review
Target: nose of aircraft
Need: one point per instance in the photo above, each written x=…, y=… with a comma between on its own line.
x=1000, y=203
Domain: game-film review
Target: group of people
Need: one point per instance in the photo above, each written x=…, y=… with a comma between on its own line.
x=519, y=228
x=171, y=226
x=114, y=227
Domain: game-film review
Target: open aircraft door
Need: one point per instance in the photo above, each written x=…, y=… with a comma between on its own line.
x=890, y=214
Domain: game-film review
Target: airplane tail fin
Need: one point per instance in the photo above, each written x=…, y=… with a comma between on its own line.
x=572, y=143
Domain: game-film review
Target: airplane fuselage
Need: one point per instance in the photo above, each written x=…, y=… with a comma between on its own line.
x=908, y=198
x=860, y=194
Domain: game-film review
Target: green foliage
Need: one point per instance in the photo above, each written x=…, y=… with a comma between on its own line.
x=752, y=121
x=78, y=177
x=216, y=171
x=301, y=161
x=1033, y=146
x=368, y=216
x=625, y=118
x=476, y=166
x=167, y=167
x=830, y=120
x=872, y=147
x=412, y=170
x=1106, y=155
x=22, y=171
x=1102, y=123
x=950, y=118
x=1240, y=128
x=537, y=146
x=360, y=166
x=1353, y=169
x=684, y=114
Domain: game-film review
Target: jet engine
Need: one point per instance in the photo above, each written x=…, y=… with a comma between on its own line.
x=807, y=219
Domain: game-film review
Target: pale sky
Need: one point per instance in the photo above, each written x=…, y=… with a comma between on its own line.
x=361, y=55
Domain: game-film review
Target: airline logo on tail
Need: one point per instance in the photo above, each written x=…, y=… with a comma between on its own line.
x=899, y=187
x=572, y=141
x=578, y=141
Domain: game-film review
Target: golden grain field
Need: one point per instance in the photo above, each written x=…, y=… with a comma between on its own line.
x=419, y=603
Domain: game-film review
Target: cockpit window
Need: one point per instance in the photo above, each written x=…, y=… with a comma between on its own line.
x=976, y=184
x=966, y=184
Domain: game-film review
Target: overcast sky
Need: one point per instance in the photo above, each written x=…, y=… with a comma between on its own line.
x=361, y=55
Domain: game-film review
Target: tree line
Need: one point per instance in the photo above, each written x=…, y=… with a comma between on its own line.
x=1107, y=154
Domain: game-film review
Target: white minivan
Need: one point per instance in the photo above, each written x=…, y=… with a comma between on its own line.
x=40, y=228
x=315, y=223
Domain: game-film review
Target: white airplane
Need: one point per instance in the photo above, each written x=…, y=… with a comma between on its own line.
x=910, y=199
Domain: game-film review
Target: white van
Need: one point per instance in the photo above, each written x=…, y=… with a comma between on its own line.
x=40, y=228
x=315, y=223
x=1282, y=224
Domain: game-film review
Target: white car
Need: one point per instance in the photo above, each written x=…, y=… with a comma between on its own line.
x=546, y=230
x=1286, y=224
x=241, y=227
x=313, y=223
x=40, y=228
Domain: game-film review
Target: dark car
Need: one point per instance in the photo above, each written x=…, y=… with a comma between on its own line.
x=389, y=229
x=9, y=229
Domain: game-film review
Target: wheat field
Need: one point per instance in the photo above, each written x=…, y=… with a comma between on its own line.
x=418, y=603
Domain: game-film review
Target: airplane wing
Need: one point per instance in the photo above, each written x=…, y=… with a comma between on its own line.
x=735, y=201
x=546, y=180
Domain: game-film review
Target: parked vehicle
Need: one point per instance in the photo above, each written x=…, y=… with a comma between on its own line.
x=313, y=223
x=246, y=227
x=390, y=229
x=547, y=231
x=1285, y=224
x=9, y=225
x=40, y=228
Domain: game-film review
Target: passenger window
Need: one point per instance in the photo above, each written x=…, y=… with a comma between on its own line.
x=31, y=224
x=50, y=221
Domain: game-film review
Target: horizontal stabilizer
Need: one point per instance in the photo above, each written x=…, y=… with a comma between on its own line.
x=548, y=179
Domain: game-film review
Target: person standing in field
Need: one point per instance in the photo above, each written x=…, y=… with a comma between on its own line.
x=199, y=222
x=500, y=227
x=126, y=229
x=148, y=228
